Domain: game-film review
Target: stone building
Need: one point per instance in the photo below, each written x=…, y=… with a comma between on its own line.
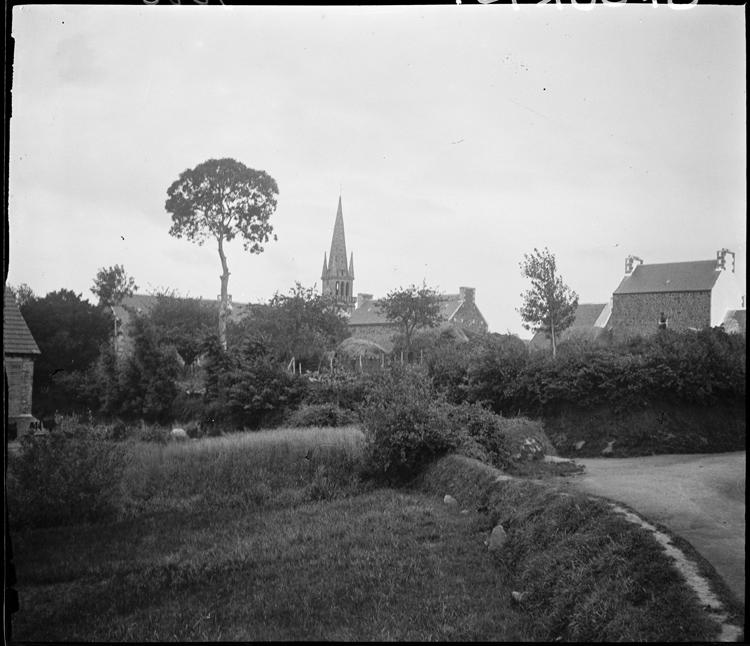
x=458, y=310
x=19, y=352
x=678, y=295
x=338, y=276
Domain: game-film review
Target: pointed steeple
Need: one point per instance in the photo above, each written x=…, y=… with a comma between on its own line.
x=338, y=243
x=338, y=275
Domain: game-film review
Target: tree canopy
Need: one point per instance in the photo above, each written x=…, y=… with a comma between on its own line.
x=302, y=325
x=415, y=307
x=112, y=285
x=550, y=305
x=69, y=332
x=183, y=323
x=223, y=199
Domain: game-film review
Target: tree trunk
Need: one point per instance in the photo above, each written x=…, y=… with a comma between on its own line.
x=554, y=345
x=223, y=304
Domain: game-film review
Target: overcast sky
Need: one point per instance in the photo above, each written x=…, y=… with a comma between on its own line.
x=460, y=137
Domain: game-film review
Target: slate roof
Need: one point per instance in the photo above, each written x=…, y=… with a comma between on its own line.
x=696, y=276
x=17, y=338
x=368, y=313
x=587, y=314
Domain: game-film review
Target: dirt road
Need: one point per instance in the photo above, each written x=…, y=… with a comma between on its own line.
x=699, y=497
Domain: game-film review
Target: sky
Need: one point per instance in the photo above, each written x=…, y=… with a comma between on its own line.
x=459, y=137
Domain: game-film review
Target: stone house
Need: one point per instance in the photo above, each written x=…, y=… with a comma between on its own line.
x=678, y=295
x=590, y=324
x=19, y=352
x=458, y=310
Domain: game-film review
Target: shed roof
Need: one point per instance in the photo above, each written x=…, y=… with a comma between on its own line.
x=696, y=276
x=17, y=338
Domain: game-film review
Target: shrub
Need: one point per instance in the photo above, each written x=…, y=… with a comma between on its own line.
x=56, y=480
x=320, y=415
x=406, y=424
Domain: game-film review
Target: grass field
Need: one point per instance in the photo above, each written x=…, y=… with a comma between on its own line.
x=224, y=539
x=273, y=536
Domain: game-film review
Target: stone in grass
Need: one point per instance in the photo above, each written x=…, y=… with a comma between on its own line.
x=579, y=445
x=464, y=511
x=607, y=450
x=498, y=538
x=179, y=434
x=450, y=500
x=518, y=597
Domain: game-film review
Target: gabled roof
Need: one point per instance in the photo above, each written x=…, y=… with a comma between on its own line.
x=17, y=338
x=368, y=313
x=584, y=326
x=696, y=276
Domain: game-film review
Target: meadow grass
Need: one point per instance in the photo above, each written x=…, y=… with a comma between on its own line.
x=355, y=565
x=273, y=536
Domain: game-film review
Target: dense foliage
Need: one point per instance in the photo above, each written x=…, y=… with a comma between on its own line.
x=70, y=476
x=302, y=325
x=69, y=332
x=704, y=368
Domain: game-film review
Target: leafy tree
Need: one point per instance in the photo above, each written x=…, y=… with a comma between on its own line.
x=147, y=381
x=183, y=323
x=112, y=285
x=23, y=293
x=302, y=324
x=550, y=305
x=69, y=332
x=223, y=198
x=411, y=309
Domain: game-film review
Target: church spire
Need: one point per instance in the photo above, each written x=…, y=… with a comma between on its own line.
x=338, y=275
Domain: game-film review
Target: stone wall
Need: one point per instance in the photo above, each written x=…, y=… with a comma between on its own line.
x=19, y=372
x=637, y=314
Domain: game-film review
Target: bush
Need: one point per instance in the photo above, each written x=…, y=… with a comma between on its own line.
x=320, y=415
x=406, y=424
x=58, y=480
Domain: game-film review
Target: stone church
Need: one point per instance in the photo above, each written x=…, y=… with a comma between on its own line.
x=366, y=321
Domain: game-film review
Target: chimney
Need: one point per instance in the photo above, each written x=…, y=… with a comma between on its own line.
x=466, y=294
x=630, y=264
x=361, y=298
x=721, y=259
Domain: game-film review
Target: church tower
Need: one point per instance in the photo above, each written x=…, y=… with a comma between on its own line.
x=338, y=277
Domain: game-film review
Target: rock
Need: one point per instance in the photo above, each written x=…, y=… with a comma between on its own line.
x=179, y=434
x=498, y=538
x=464, y=511
x=556, y=459
x=503, y=478
x=579, y=445
x=607, y=450
x=518, y=597
x=450, y=500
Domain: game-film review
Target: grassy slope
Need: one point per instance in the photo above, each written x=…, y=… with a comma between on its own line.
x=587, y=573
